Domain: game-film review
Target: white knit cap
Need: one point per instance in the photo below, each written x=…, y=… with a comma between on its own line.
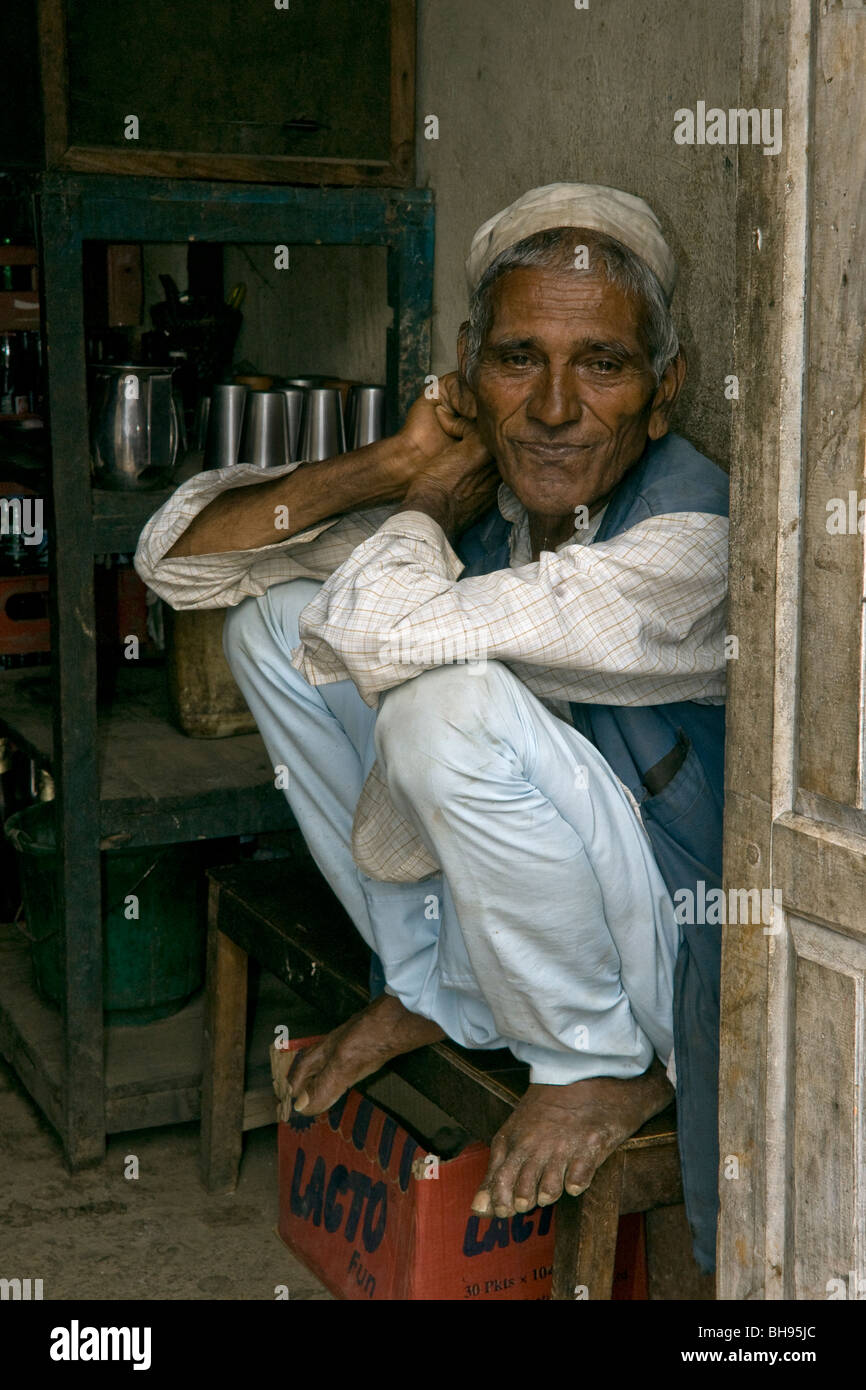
x=620, y=215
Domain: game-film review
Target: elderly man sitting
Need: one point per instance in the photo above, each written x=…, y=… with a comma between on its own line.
x=502, y=711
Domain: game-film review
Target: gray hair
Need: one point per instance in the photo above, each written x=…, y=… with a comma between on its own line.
x=554, y=249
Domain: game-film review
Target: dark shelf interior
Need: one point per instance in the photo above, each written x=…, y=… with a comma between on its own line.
x=152, y=1072
x=157, y=786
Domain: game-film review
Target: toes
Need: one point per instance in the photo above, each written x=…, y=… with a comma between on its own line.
x=551, y=1181
x=506, y=1184
x=304, y=1067
x=503, y=1185
x=578, y=1176
x=305, y=1079
x=483, y=1203
x=321, y=1093
x=526, y=1187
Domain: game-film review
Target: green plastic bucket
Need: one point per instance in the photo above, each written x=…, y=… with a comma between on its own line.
x=153, y=929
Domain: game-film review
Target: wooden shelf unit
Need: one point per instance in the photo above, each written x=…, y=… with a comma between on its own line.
x=123, y=774
x=152, y=1072
x=156, y=786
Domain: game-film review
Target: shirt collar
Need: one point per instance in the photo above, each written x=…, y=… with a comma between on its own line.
x=514, y=511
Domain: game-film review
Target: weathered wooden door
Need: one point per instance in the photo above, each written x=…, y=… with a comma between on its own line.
x=793, y=1181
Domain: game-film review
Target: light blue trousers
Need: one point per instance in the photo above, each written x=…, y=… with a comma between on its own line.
x=549, y=929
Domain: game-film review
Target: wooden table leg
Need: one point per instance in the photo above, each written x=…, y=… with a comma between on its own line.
x=586, y=1231
x=225, y=1029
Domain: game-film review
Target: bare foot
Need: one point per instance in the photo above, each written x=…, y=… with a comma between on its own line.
x=559, y=1135
x=385, y=1029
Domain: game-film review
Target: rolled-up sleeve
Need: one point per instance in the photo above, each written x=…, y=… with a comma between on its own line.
x=638, y=619
x=224, y=579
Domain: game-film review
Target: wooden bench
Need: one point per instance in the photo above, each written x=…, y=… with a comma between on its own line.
x=289, y=920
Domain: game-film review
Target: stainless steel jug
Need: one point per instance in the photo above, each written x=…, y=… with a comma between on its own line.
x=134, y=427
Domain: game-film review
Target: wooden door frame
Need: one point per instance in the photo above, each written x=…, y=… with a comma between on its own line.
x=807, y=845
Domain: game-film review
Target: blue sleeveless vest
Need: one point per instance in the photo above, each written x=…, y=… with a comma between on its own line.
x=683, y=819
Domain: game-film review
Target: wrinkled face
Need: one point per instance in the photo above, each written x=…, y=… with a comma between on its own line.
x=564, y=390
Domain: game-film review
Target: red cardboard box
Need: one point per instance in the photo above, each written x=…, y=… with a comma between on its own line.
x=374, y=1216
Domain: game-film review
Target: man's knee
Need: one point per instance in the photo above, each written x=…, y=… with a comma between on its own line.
x=441, y=711
x=242, y=631
x=255, y=623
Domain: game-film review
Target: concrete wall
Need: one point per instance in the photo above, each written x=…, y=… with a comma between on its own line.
x=529, y=92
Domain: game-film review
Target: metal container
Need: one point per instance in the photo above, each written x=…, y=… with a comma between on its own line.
x=322, y=434
x=365, y=416
x=202, y=415
x=294, y=397
x=265, y=431
x=134, y=427
x=224, y=426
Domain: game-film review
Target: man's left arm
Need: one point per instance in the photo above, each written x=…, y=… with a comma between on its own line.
x=638, y=619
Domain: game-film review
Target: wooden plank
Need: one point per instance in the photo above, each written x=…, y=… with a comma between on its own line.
x=147, y=209
x=120, y=517
x=820, y=872
x=222, y=1095
x=256, y=169
x=831, y=755
x=260, y=1108
x=749, y=770
x=651, y=1173
x=74, y=681
x=54, y=76
x=477, y=1099
x=586, y=1231
x=156, y=785
x=153, y=1072
x=816, y=807
x=410, y=294
x=402, y=89
x=30, y=1030
x=828, y=1202
x=175, y=1105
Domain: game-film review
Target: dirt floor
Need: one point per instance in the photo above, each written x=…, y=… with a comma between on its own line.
x=105, y=1234
x=99, y=1234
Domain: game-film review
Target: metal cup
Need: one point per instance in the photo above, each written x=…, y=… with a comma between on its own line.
x=304, y=382
x=322, y=434
x=294, y=397
x=202, y=415
x=224, y=426
x=365, y=415
x=265, y=432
